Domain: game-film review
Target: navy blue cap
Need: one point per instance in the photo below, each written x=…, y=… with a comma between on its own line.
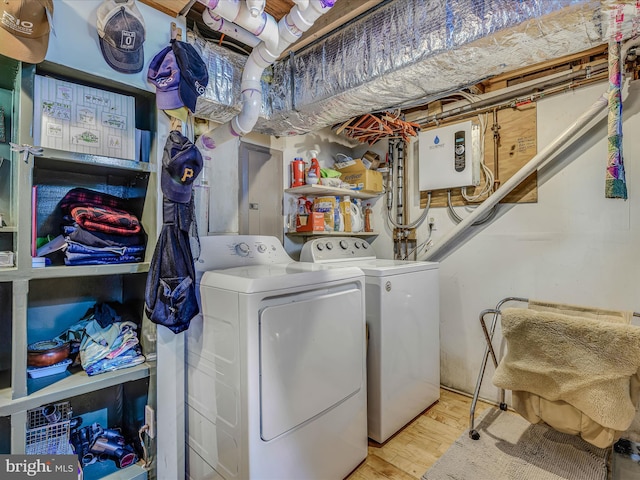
x=165, y=75
x=193, y=73
x=181, y=165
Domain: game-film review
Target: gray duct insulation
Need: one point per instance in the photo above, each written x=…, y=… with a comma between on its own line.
x=403, y=52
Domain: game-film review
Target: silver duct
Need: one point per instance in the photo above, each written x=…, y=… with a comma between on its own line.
x=403, y=52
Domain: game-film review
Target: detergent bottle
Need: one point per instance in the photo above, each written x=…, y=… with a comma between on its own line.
x=313, y=175
x=357, y=216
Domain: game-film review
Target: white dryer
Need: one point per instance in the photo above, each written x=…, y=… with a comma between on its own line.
x=276, y=369
x=403, y=319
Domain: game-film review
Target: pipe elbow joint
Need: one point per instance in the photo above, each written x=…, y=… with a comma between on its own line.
x=256, y=7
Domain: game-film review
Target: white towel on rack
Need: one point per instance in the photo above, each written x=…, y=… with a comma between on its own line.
x=602, y=314
x=589, y=364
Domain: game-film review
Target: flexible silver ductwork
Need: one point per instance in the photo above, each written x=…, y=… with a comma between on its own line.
x=403, y=52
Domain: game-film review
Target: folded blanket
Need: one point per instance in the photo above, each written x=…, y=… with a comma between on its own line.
x=107, y=220
x=83, y=197
x=586, y=363
x=563, y=417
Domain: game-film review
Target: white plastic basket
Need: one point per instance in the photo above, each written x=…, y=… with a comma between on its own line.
x=6, y=259
x=49, y=435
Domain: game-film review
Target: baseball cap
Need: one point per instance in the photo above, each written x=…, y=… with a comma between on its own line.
x=121, y=30
x=24, y=29
x=193, y=73
x=181, y=165
x=181, y=113
x=165, y=75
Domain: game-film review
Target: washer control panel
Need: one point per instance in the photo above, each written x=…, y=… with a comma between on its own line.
x=334, y=249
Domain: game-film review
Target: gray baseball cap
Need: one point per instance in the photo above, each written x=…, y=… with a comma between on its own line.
x=121, y=30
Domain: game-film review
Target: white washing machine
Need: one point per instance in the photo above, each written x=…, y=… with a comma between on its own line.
x=276, y=365
x=403, y=318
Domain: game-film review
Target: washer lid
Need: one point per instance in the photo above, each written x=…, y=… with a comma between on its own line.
x=262, y=278
x=380, y=267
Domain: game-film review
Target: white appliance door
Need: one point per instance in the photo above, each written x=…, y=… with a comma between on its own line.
x=311, y=357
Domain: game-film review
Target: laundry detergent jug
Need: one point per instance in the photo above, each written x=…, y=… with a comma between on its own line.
x=357, y=217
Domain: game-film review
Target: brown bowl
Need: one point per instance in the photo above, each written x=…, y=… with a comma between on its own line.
x=47, y=352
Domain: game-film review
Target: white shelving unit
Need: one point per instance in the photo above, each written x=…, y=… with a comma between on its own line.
x=36, y=301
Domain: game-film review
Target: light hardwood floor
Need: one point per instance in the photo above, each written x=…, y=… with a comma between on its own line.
x=410, y=452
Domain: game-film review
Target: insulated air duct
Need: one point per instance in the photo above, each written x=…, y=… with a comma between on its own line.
x=408, y=51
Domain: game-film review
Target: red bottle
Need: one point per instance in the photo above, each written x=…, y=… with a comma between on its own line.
x=297, y=172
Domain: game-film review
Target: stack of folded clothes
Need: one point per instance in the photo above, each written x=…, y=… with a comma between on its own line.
x=100, y=229
x=106, y=338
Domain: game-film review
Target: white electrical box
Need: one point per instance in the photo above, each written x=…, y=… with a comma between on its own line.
x=448, y=157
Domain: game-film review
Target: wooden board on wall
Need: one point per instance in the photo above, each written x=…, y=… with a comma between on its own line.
x=170, y=7
x=518, y=145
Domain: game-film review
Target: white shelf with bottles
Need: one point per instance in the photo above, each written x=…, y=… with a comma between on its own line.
x=332, y=234
x=319, y=190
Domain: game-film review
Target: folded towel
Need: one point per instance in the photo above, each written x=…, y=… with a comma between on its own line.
x=604, y=315
x=586, y=363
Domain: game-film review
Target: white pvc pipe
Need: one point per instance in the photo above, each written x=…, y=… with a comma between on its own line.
x=219, y=24
x=256, y=7
x=289, y=29
x=227, y=9
x=599, y=107
x=263, y=26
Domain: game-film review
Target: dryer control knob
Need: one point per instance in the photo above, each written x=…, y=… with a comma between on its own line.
x=262, y=248
x=329, y=246
x=356, y=244
x=242, y=249
x=343, y=244
x=320, y=246
x=365, y=245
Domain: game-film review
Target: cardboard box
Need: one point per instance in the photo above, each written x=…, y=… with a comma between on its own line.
x=373, y=158
x=313, y=222
x=355, y=173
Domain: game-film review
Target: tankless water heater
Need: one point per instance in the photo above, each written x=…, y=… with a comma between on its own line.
x=449, y=157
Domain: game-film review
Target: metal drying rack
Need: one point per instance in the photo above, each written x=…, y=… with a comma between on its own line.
x=489, y=350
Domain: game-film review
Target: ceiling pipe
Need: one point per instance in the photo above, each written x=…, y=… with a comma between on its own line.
x=256, y=7
x=273, y=43
x=263, y=26
x=219, y=24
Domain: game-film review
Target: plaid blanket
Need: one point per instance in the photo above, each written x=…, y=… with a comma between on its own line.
x=107, y=220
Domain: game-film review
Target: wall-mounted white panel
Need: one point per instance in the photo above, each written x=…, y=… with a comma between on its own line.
x=446, y=156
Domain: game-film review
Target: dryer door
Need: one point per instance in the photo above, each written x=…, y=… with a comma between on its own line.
x=311, y=356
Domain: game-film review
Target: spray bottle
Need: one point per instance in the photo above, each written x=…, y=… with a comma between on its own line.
x=313, y=175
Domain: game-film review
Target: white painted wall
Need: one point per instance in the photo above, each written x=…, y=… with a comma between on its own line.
x=74, y=40
x=572, y=246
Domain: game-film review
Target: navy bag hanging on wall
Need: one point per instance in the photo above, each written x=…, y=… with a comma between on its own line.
x=170, y=294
